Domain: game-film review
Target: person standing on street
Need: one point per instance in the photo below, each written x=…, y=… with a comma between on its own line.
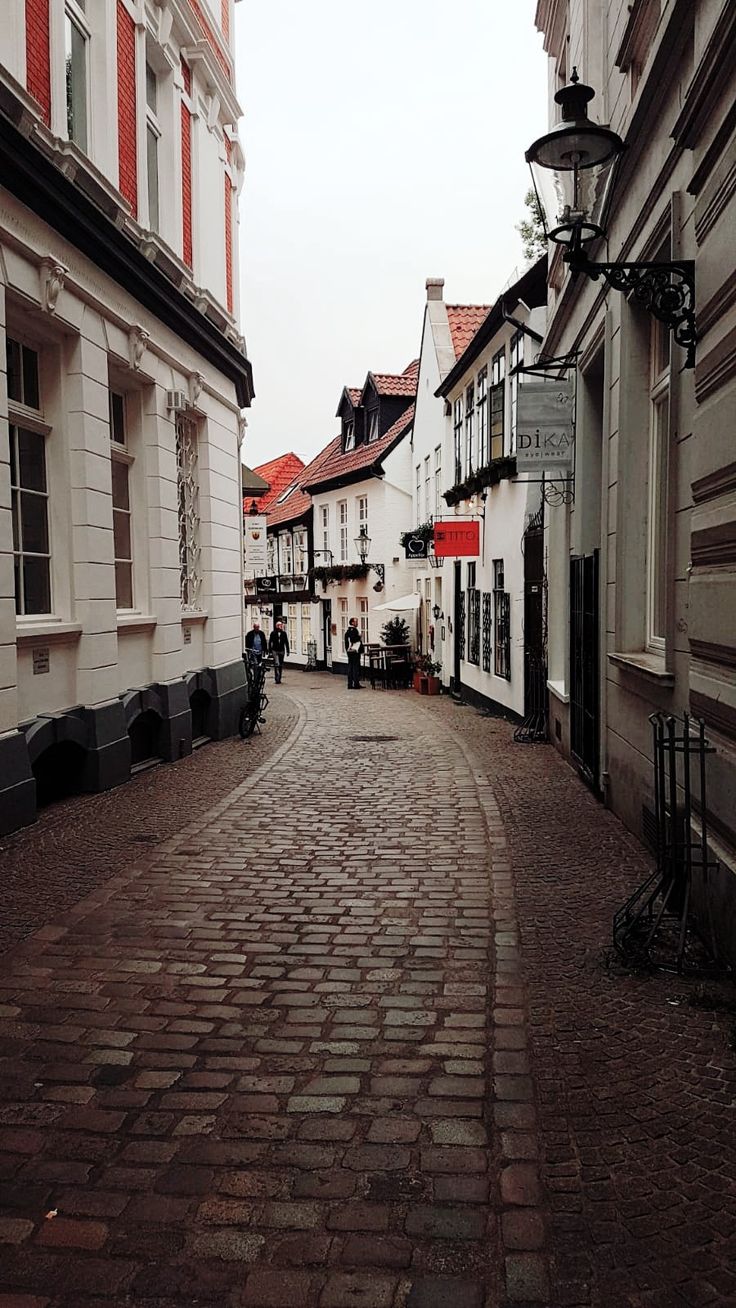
x=278, y=645
x=256, y=642
x=354, y=647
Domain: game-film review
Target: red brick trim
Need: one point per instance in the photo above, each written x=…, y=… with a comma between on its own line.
x=186, y=171
x=212, y=38
x=38, y=63
x=229, y=243
x=127, y=143
x=225, y=24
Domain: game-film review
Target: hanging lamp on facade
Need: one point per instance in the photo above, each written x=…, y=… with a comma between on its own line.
x=574, y=169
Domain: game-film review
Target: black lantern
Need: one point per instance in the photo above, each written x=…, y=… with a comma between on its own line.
x=574, y=172
x=436, y=612
x=363, y=545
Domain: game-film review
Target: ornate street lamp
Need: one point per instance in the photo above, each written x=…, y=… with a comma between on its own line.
x=574, y=171
x=363, y=546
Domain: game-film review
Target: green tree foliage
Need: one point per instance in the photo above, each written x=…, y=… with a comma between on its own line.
x=395, y=632
x=531, y=229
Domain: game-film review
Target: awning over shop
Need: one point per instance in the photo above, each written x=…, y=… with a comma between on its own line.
x=400, y=605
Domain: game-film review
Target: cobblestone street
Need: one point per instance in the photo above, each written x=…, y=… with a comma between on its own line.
x=348, y=1039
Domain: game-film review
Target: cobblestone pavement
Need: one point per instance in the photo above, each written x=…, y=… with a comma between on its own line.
x=295, y=1056
x=76, y=846
x=635, y=1084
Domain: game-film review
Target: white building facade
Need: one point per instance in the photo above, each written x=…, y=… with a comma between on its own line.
x=483, y=612
x=122, y=384
x=362, y=487
x=642, y=567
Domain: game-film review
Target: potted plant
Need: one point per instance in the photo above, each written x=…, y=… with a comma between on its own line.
x=426, y=676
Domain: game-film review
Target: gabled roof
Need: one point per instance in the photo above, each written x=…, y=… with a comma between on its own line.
x=530, y=289
x=352, y=394
x=464, y=320
x=364, y=458
x=395, y=384
x=278, y=473
x=296, y=504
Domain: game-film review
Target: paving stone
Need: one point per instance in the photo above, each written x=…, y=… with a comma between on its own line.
x=445, y=1223
x=526, y=1278
x=358, y=1290
x=444, y=1292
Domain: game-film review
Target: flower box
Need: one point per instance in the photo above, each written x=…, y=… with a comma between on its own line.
x=425, y=684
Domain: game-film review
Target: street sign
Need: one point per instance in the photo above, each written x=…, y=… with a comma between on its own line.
x=256, y=541
x=454, y=539
x=545, y=433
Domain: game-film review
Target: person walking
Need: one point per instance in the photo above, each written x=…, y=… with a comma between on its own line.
x=256, y=642
x=354, y=647
x=278, y=645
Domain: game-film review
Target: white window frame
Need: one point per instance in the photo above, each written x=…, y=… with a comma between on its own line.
x=325, y=512
x=75, y=16
x=481, y=408
x=350, y=435
x=362, y=618
x=26, y=417
x=427, y=487
x=458, y=439
x=516, y=357
x=306, y=627
x=438, y=481
x=342, y=607
x=373, y=425
x=153, y=133
x=497, y=441
x=120, y=455
x=657, y=488
x=362, y=507
x=291, y=617
x=470, y=428
x=342, y=509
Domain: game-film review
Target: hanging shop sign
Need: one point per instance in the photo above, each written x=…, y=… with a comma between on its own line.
x=454, y=539
x=256, y=541
x=545, y=431
x=416, y=547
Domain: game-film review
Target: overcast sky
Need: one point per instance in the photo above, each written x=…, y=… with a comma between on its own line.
x=384, y=144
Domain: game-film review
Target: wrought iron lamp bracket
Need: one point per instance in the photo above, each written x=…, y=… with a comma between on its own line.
x=666, y=290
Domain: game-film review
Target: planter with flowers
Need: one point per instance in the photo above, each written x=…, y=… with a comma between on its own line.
x=426, y=676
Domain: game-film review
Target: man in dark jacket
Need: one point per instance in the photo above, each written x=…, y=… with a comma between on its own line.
x=354, y=647
x=256, y=641
x=278, y=645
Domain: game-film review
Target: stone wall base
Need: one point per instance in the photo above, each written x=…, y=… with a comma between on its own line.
x=100, y=736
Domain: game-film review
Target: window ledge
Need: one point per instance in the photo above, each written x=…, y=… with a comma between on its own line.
x=650, y=666
x=133, y=622
x=557, y=688
x=196, y=615
x=50, y=632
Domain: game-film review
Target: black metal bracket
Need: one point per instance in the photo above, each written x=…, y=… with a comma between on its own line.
x=666, y=290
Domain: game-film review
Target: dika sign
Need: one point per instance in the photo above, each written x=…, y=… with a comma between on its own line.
x=545, y=436
x=454, y=539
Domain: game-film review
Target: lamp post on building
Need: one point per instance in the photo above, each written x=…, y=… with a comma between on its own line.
x=574, y=169
x=363, y=546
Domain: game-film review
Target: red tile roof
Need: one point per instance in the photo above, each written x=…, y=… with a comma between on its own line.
x=337, y=464
x=299, y=501
x=389, y=383
x=278, y=473
x=465, y=320
x=355, y=393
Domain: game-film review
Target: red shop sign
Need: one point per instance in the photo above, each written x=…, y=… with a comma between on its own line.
x=453, y=539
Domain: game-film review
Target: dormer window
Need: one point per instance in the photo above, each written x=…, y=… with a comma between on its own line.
x=350, y=435
x=373, y=425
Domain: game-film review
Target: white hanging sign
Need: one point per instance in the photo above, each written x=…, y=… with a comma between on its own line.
x=255, y=541
x=545, y=431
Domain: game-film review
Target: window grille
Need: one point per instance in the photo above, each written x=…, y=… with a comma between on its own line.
x=187, y=476
x=502, y=622
x=486, y=632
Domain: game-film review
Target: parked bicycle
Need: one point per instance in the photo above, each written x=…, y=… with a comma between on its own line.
x=252, y=714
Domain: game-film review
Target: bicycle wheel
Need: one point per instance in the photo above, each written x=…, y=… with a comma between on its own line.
x=248, y=720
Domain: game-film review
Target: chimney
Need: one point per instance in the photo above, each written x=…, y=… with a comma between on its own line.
x=434, y=288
